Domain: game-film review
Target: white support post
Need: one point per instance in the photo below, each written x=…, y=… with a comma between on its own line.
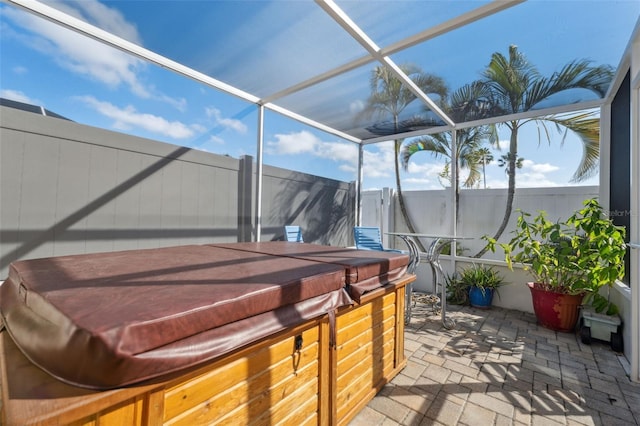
x=386, y=218
x=634, y=232
x=454, y=207
x=605, y=157
x=358, y=213
x=258, y=218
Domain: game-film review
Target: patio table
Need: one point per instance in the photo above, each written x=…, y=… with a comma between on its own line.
x=432, y=255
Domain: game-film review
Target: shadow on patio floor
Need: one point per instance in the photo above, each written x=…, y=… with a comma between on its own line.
x=498, y=367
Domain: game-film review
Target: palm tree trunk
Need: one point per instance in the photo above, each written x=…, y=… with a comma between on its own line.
x=484, y=173
x=511, y=171
x=457, y=193
x=403, y=208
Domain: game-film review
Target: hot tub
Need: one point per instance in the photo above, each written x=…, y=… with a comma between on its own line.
x=211, y=334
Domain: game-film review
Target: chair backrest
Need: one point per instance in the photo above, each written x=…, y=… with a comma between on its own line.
x=367, y=238
x=293, y=233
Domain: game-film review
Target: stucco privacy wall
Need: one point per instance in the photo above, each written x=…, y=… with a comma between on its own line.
x=67, y=188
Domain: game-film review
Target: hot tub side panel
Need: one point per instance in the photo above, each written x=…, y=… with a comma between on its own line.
x=369, y=348
x=275, y=384
x=268, y=383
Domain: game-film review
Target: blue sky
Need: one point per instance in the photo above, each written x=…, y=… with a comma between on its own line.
x=96, y=85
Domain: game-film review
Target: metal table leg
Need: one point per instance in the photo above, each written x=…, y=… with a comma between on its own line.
x=414, y=261
x=435, y=248
x=433, y=257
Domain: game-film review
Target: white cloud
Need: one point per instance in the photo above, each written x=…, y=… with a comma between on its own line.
x=539, y=168
x=198, y=128
x=429, y=169
x=87, y=57
x=178, y=103
x=227, y=123
x=423, y=175
x=306, y=143
x=531, y=175
x=339, y=151
x=356, y=106
x=216, y=140
x=535, y=175
x=101, y=16
x=534, y=180
x=421, y=184
x=20, y=70
x=18, y=96
x=128, y=117
x=293, y=143
x=378, y=161
x=348, y=168
x=503, y=145
x=80, y=54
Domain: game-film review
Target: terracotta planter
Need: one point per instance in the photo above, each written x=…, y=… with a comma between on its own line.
x=555, y=311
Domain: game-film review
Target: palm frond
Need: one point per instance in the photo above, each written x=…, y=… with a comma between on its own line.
x=435, y=144
x=587, y=128
x=510, y=78
x=474, y=175
x=574, y=75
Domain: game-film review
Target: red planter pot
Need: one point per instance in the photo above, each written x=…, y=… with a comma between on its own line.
x=555, y=311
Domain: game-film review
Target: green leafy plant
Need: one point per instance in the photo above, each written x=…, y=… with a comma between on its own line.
x=601, y=304
x=460, y=249
x=482, y=277
x=578, y=256
x=457, y=291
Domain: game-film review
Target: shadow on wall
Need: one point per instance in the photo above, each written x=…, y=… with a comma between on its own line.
x=322, y=208
x=62, y=226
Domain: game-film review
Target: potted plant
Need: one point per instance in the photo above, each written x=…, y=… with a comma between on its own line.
x=457, y=291
x=481, y=282
x=568, y=260
x=601, y=320
x=473, y=285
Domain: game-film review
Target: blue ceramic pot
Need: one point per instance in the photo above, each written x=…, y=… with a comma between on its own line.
x=480, y=300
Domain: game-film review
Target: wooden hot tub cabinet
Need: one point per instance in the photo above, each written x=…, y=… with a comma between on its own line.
x=320, y=371
x=265, y=383
x=370, y=349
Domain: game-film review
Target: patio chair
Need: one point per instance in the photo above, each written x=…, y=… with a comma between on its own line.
x=293, y=233
x=369, y=238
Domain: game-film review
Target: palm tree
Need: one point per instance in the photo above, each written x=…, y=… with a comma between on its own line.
x=465, y=104
x=503, y=161
x=439, y=145
x=484, y=157
x=388, y=98
x=517, y=86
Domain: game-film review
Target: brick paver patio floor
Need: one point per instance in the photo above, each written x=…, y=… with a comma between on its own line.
x=497, y=367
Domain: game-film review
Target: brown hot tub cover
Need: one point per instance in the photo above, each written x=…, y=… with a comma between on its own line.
x=365, y=270
x=111, y=319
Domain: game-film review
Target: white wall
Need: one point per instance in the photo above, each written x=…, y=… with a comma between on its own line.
x=481, y=211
